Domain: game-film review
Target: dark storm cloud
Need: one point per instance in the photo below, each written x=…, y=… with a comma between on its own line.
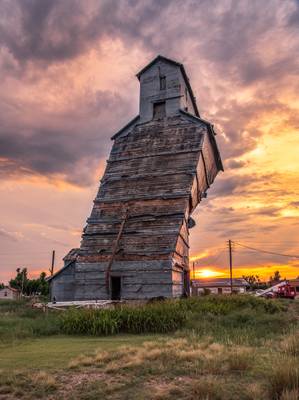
x=48, y=153
x=47, y=30
x=38, y=34
x=52, y=30
x=72, y=151
x=293, y=19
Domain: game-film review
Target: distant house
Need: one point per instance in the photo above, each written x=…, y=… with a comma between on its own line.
x=218, y=286
x=9, y=293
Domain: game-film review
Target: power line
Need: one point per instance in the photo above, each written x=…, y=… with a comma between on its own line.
x=265, y=251
x=230, y=265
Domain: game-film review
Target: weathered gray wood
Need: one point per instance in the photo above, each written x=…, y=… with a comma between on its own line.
x=160, y=167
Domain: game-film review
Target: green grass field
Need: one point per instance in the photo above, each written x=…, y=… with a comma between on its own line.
x=228, y=348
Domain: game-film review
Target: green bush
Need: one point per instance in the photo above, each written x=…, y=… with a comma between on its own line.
x=152, y=318
x=223, y=305
x=18, y=320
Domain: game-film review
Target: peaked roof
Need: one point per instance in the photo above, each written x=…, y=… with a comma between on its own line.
x=219, y=282
x=118, y=133
x=49, y=278
x=181, y=66
x=10, y=288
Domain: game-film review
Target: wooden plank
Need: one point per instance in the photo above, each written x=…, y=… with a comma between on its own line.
x=108, y=271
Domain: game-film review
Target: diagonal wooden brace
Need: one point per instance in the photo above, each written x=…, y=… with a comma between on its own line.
x=121, y=228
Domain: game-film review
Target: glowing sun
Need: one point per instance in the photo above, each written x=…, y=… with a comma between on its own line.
x=207, y=273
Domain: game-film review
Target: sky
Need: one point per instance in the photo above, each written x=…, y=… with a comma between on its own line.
x=68, y=84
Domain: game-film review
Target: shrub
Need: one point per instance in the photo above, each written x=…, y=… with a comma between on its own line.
x=152, y=318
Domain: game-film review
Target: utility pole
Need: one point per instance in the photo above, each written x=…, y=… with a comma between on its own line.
x=193, y=270
x=53, y=263
x=23, y=278
x=230, y=265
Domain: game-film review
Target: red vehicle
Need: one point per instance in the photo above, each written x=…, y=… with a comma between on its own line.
x=286, y=291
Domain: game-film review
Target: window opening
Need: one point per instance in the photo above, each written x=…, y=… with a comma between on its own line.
x=159, y=110
x=162, y=82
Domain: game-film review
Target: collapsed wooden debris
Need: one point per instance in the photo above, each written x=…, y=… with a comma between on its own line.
x=88, y=304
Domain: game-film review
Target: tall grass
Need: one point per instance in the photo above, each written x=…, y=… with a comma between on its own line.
x=223, y=305
x=239, y=319
x=207, y=315
x=283, y=378
x=151, y=318
x=19, y=321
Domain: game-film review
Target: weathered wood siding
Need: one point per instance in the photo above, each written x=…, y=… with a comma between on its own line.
x=159, y=168
x=63, y=285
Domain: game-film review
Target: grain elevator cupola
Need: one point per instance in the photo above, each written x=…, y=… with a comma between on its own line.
x=164, y=90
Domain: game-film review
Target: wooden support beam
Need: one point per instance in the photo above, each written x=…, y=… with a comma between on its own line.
x=108, y=271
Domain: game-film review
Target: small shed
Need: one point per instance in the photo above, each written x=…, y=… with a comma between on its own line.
x=9, y=293
x=218, y=286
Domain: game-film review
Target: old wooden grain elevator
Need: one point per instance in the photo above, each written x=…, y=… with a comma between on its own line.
x=136, y=241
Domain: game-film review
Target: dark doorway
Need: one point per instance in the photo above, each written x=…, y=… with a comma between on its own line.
x=186, y=283
x=115, y=287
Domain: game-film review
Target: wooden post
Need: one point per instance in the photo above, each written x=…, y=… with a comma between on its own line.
x=230, y=265
x=193, y=277
x=108, y=271
x=53, y=263
x=22, y=284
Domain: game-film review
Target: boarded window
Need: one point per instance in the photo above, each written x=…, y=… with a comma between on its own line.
x=162, y=82
x=159, y=110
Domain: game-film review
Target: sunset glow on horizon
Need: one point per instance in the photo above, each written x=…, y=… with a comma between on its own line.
x=69, y=84
x=206, y=273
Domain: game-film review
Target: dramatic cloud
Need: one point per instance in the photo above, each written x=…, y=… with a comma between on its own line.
x=67, y=84
x=55, y=151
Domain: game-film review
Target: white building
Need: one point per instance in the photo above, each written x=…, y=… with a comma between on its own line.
x=9, y=293
x=218, y=286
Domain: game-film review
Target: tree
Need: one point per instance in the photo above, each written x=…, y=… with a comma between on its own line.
x=253, y=280
x=2, y=286
x=28, y=286
x=20, y=282
x=276, y=278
